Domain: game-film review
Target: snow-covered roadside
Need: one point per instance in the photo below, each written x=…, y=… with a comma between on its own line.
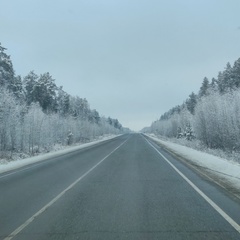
x=224, y=169
x=8, y=166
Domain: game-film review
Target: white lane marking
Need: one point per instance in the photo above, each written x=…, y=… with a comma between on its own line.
x=31, y=219
x=203, y=195
x=207, y=176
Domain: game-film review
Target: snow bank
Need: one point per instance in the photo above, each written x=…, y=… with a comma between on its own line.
x=224, y=169
x=8, y=166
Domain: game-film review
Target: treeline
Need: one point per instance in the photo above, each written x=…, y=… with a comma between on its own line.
x=212, y=115
x=36, y=114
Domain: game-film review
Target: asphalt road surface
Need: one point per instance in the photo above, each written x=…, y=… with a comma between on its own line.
x=124, y=188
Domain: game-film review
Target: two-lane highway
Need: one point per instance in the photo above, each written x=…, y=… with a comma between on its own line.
x=125, y=188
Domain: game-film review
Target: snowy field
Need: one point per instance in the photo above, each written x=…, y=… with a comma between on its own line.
x=223, y=170
x=8, y=166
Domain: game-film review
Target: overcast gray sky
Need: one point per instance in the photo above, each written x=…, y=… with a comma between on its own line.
x=131, y=59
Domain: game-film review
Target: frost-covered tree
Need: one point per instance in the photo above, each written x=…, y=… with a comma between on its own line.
x=6, y=69
x=213, y=115
x=217, y=120
x=45, y=92
x=226, y=80
x=229, y=79
x=10, y=121
x=29, y=84
x=236, y=73
x=214, y=85
x=36, y=114
x=34, y=122
x=17, y=88
x=191, y=102
x=204, y=88
x=93, y=116
x=63, y=102
x=41, y=89
x=114, y=122
x=79, y=107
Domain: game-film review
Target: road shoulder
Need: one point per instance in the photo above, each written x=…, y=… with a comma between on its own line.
x=221, y=171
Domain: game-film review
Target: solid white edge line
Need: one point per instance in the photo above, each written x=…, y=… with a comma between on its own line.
x=203, y=195
x=31, y=219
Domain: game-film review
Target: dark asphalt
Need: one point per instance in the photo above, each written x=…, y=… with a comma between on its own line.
x=132, y=194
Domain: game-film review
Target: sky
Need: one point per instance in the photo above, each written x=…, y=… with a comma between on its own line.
x=131, y=59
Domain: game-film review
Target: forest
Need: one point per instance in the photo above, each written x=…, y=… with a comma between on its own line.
x=36, y=114
x=211, y=116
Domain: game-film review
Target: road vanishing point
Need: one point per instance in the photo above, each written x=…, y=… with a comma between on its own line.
x=124, y=188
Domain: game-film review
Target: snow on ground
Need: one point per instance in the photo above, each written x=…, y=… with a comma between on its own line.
x=8, y=166
x=223, y=168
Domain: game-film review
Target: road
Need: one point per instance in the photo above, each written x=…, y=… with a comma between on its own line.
x=124, y=188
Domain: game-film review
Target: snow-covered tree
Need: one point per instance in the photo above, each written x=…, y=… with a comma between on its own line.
x=45, y=92
x=236, y=73
x=17, y=88
x=35, y=114
x=204, y=88
x=191, y=102
x=29, y=84
x=6, y=69
x=63, y=102
x=79, y=107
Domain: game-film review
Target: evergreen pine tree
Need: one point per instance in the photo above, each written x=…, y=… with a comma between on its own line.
x=191, y=102
x=6, y=69
x=204, y=87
